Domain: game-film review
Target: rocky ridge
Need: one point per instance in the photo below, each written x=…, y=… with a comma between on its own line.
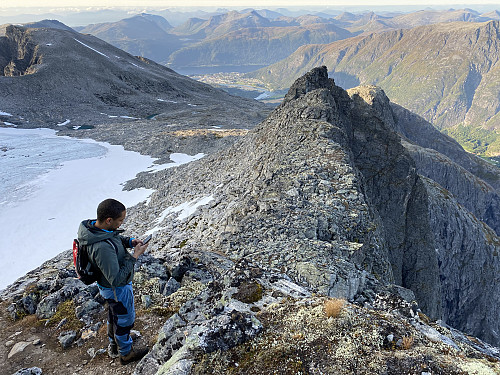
x=366, y=205
x=321, y=203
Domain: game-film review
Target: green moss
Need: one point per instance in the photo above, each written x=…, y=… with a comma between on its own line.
x=66, y=310
x=249, y=292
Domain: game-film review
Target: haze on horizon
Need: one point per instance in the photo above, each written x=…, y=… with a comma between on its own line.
x=237, y=3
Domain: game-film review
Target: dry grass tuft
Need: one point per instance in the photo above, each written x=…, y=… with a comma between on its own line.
x=407, y=342
x=333, y=307
x=27, y=321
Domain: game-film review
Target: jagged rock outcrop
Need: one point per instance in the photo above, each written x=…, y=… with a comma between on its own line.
x=474, y=182
x=327, y=178
x=18, y=54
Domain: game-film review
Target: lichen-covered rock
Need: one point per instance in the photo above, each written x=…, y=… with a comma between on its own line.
x=48, y=305
x=171, y=286
x=29, y=371
x=226, y=331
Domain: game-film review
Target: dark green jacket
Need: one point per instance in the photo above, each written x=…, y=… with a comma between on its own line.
x=117, y=268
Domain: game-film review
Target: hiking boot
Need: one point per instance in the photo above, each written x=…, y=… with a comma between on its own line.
x=113, y=350
x=134, y=355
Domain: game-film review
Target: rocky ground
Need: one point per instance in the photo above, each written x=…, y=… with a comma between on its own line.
x=224, y=317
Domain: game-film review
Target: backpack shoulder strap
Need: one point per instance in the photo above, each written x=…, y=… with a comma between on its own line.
x=112, y=244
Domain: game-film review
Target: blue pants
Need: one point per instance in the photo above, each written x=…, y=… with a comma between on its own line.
x=121, y=315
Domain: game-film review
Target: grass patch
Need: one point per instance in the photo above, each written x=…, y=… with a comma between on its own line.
x=407, y=342
x=333, y=307
x=476, y=140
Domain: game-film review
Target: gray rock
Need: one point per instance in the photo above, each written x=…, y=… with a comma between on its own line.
x=182, y=367
x=151, y=267
x=146, y=301
x=30, y=302
x=29, y=371
x=170, y=339
x=171, y=287
x=18, y=348
x=227, y=331
x=404, y=293
x=180, y=269
x=67, y=338
x=201, y=275
x=88, y=309
x=48, y=305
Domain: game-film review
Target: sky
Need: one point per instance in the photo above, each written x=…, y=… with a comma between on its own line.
x=233, y=3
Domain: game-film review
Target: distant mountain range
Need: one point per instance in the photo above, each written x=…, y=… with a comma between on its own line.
x=242, y=39
x=231, y=38
x=142, y=35
x=253, y=37
x=372, y=22
x=448, y=73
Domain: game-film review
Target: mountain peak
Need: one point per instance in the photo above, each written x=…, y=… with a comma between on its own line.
x=317, y=78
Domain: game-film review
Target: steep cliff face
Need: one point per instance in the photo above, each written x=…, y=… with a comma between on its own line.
x=450, y=222
x=467, y=252
x=325, y=190
x=396, y=191
x=474, y=182
x=414, y=128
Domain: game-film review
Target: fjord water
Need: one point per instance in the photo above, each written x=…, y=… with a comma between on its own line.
x=49, y=184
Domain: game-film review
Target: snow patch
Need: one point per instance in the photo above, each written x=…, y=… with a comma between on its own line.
x=93, y=49
x=178, y=159
x=9, y=124
x=168, y=101
x=64, y=123
x=140, y=67
x=60, y=200
x=4, y=114
x=183, y=211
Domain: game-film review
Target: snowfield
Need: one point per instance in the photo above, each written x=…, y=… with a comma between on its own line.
x=41, y=218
